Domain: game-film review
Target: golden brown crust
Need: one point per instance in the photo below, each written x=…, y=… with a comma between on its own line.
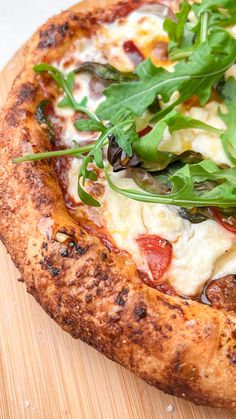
x=182, y=347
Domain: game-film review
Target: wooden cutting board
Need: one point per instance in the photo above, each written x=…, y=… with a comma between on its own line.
x=46, y=374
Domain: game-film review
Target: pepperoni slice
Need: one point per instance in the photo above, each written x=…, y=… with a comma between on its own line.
x=158, y=253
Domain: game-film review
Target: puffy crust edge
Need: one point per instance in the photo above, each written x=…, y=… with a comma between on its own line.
x=181, y=347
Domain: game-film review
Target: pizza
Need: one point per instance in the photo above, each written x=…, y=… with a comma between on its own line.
x=118, y=186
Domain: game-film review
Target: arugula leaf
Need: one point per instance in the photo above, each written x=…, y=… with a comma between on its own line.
x=105, y=72
x=77, y=152
x=206, y=65
x=179, y=36
x=223, y=12
x=126, y=134
x=205, y=5
x=86, y=198
x=185, y=35
x=176, y=29
x=183, y=180
x=95, y=154
x=228, y=94
x=89, y=125
x=183, y=191
x=66, y=83
x=147, y=148
x=178, y=121
x=43, y=119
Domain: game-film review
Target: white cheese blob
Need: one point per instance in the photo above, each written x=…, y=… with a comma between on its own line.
x=200, y=251
x=196, y=247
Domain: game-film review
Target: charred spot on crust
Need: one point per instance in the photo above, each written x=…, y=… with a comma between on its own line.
x=47, y=264
x=120, y=299
x=136, y=336
x=103, y=276
x=54, y=35
x=140, y=311
x=64, y=252
x=54, y=271
x=86, y=22
x=74, y=248
x=233, y=334
x=63, y=28
x=104, y=256
x=233, y=359
x=231, y=355
x=14, y=116
x=88, y=298
x=26, y=93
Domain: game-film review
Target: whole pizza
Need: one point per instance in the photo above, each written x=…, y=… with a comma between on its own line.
x=118, y=186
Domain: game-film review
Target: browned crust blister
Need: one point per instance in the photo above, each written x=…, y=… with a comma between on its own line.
x=182, y=347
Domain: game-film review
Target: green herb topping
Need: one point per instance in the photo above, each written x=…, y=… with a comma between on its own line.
x=204, y=50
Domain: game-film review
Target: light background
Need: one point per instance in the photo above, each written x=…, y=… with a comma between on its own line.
x=20, y=18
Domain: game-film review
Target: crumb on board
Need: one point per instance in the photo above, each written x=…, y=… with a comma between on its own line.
x=27, y=404
x=170, y=408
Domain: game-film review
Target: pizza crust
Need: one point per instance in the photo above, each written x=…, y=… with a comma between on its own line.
x=180, y=346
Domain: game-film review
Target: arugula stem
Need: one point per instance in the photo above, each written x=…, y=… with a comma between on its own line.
x=167, y=199
x=76, y=106
x=56, y=153
x=181, y=54
x=163, y=112
x=71, y=151
x=204, y=27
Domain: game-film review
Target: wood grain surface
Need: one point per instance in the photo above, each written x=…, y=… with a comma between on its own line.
x=46, y=374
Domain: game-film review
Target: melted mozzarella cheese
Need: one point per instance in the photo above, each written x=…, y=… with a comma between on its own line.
x=206, y=143
x=200, y=251
x=196, y=247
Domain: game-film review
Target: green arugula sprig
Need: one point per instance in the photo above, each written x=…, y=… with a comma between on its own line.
x=206, y=51
x=180, y=35
x=185, y=35
x=228, y=94
x=183, y=191
x=222, y=12
x=125, y=128
x=147, y=149
x=105, y=72
x=205, y=67
x=66, y=83
x=122, y=126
